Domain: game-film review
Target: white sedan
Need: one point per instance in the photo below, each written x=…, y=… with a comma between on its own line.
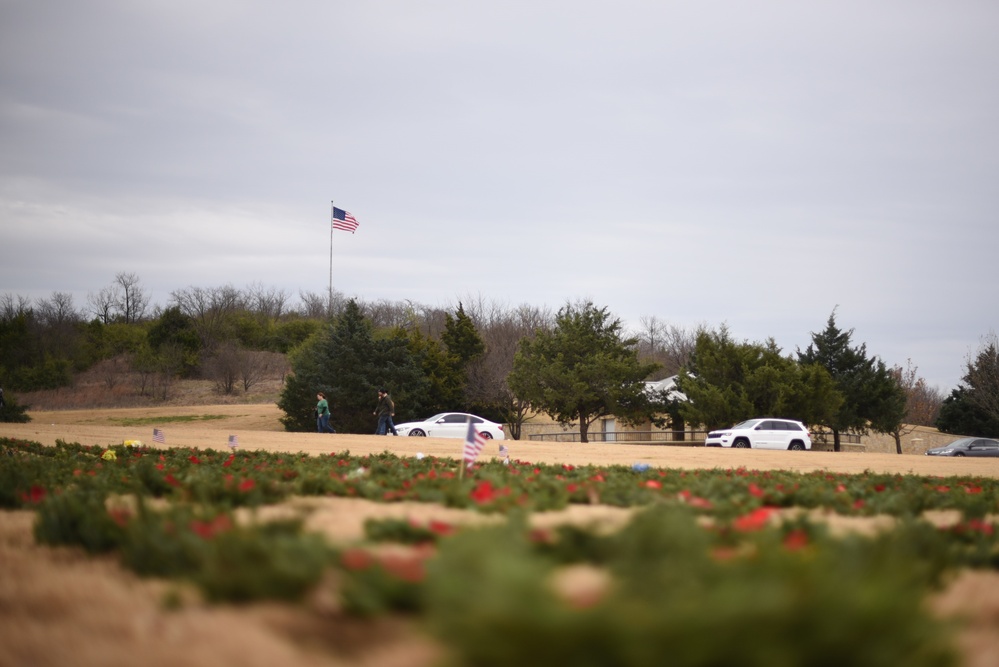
x=451, y=425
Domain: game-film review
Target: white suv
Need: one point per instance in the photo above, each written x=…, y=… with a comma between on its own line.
x=762, y=434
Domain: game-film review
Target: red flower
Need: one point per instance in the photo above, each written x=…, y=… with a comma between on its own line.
x=35, y=495
x=840, y=488
x=171, y=480
x=723, y=554
x=979, y=526
x=247, y=485
x=755, y=520
x=879, y=487
x=943, y=489
x=194, y=459
x=653, y=484
x=159, y=466
x=209, y=529
x=440, y=528
x=356, y=559
x=695, y=501
x=795, y=540
x=572, y=488
x=120, y=516
x=541, y=536
x=755, y=490
x=484, y=493
x=406, y=567
x=228, y=461
x=973, y=489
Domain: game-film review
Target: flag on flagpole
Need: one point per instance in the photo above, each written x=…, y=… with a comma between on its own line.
x=504, y=454
x=233, y=441
x=343, y=220
x=474, y=442
x=158, y=436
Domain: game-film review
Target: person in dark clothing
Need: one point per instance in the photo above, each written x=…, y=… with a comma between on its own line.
x=385, y=410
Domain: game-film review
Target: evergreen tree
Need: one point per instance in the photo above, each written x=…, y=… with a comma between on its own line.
x=464, y=346
x=445, y=381
x=347, y=363
x=981, y=378
x=583, y=370
x=960, y=416
x=461, y=338
x=871, y=395
x=11, y=410
x=728, y=382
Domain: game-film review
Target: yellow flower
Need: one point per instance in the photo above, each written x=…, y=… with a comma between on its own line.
x=133, y=443
x=109, y=455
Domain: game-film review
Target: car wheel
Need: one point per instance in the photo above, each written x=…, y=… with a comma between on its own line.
x=797, y=446
x=958, y=453
x=417, y=433
x=486, y=435
x=741, y=443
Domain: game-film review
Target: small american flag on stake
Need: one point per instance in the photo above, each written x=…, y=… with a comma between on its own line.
x=158, y=436
x=474, y=442
x=233, y=441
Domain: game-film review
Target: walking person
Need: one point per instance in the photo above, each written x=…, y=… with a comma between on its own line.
x=323, y=414
x=384, y=411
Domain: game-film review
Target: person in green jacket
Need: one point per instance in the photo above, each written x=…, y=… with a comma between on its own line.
x=323, y=414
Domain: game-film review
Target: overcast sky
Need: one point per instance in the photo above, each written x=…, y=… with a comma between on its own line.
x=755, y=164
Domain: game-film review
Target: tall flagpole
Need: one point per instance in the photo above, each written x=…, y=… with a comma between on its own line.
x=329, y=304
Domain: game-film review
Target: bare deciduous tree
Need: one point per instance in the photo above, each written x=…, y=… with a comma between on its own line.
x=131, y=301
x=669, y=345
x=254, y=366
x=223, y=367
x=171, y=363
x=57, y=311
x=208, y=309
x=12, y=306
x=266, y=302
x=102, y=304
x=320, y=305
x=388, y=314
x=56, y=324
x=113, y=369
x=501, y=331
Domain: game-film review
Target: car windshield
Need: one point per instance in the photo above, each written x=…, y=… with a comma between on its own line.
x=749, y=423
x=960, y=444
x=435, y=417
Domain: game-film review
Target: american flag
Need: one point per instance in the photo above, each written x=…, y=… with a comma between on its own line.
x=158, y=436
x=474, y=442
x=233, y=441
x=343, y=220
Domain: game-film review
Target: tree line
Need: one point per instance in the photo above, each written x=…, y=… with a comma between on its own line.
x=576, y=364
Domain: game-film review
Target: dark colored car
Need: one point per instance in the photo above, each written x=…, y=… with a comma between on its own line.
x=967, y=447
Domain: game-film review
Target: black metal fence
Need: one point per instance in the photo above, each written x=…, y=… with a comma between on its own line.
x=688, y=438
x=682, y=438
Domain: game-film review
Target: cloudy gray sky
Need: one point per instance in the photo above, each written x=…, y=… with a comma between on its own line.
x=750, y=163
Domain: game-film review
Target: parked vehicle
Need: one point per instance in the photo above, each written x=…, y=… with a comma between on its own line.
x=451, y=425
x=967, y=447
x=763, y=433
